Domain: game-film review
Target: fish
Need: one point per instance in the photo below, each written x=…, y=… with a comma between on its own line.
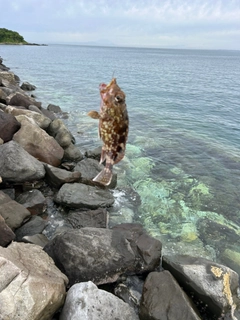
x=113, y=128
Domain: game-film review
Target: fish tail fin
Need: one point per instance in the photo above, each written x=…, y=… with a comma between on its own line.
x=105, y=176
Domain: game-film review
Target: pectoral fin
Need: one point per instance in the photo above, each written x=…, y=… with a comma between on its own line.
x=93, y=114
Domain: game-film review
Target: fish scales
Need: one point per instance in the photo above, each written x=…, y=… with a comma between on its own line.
x=113, y=128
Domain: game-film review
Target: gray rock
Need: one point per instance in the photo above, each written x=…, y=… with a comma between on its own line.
x=54, y=108
x=102, y=255
x=212, y=283
x=8, y=126
x=34, y=226
x=72, y=153
x=35, y=109
x=38, y=118
x=39, y=144
x=164, y=299
x=9, y=76
x=89, y=168
x=92, y=218
x=94, y=154
x=33, y=200
x=17, y=165
x=31, y=287
x=3, y=96
x=86, y=301
x=27, y=86
x=20, y=99
x=56, y=177
x=6, y=234
x=59, y=131
x=38, y=239
x=78, y=195
x=13, y=213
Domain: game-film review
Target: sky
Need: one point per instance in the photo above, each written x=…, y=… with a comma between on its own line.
x=186, y=24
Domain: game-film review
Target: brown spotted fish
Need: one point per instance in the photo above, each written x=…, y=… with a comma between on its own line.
x=113, y=128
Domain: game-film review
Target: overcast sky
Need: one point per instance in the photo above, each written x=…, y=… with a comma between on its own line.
x=203, y=24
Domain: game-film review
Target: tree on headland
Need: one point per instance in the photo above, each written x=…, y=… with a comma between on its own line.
x=11, y=37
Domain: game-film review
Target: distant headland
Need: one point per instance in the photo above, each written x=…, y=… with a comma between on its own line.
x=14, y=38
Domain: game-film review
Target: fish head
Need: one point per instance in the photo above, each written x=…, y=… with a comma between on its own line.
x=111, y=94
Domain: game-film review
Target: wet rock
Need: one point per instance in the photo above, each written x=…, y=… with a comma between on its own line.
x=39, y=144
x=164, y=299
x=19, y=99
x=38, y=239
x=78, y=195
x=92, y=218
x=13, y=213
x=31, y=287
x=72, y=153
x=212, y=283
x=56, y=177
x=48, y=113
x=33, y=200
x=102, y=255
x=8, y=126
x=89, y=168
x=17, y=165
x=94, y=154
x=21, y=114
x=26, y=86
x=130, y=291
x=86, y=301
x=34, y=226
x=6, y=234
x=54, y=108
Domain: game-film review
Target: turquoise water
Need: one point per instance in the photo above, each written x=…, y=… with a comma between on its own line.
x=181, y=174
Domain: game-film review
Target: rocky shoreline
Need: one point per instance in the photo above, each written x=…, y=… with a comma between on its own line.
x=84, y=269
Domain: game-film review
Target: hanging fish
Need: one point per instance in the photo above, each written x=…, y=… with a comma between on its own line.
x=113, y=128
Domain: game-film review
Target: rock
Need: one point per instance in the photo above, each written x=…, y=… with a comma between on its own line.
x=212, y=283
x=6, y=234
x=9, y=76
x=56, y=177
x=102, y=255
x=164, y=299
x=92, y=218
x=8, y=126
x=86, y=301
x=35, y=109
x=130, y=291
x=89, y=168
x=17, y=165
x=31, y=287
x=13, y=212
x=38, y=239
x=33, y=200
x=34, y=226
x=19, y=99
x=72, y=153
x=54, y=108
x=27, y=86
x=3, y=96
x=21, y=114
x=59, y=131
x=39, y=144
x=78, y=195
x=1, y=141
x=48, y=114
x=94, y=154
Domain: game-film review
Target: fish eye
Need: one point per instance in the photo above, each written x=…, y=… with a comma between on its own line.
x=118, y=98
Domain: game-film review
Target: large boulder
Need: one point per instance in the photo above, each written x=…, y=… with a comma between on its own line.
x=163, y=298
x=212, y=283
x=102, y=255
x=6, y=233
x=26, y=86
x=9, y=76
x=23, y=114
x=39, y=144
x=19, y=99
x=17, y=165
x=59, y=131
x=8, y=126
x=31, y=287
x=86, y=301
x=79, y=195
x=56, y=177
x=33, y=200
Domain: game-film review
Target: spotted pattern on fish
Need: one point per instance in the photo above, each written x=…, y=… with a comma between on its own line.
x=113, y=128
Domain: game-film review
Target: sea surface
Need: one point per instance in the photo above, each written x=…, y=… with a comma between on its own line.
x=181, y=174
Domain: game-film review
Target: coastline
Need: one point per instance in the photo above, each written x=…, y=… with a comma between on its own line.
x=61, y=184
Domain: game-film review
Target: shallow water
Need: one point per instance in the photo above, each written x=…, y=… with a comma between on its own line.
x=180, y=177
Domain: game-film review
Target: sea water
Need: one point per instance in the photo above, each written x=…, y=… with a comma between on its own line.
x=180, y=177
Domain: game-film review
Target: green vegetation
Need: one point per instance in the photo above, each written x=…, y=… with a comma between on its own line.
x=11, y=37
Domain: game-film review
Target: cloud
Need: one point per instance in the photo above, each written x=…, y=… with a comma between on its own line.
x=126, y=22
